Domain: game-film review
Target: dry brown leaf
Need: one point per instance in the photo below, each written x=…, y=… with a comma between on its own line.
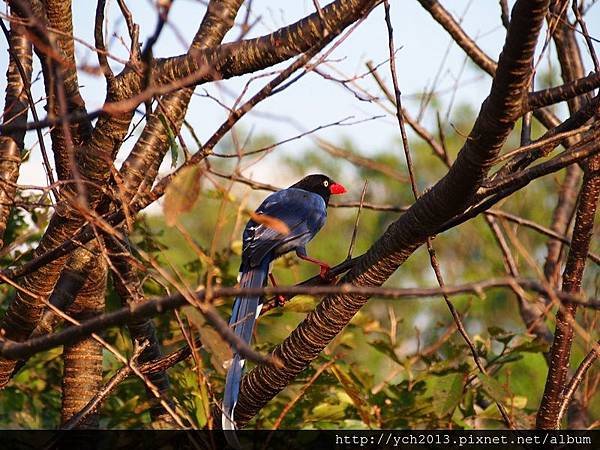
x=181, y=194
x=213, y=343
x=272, y=222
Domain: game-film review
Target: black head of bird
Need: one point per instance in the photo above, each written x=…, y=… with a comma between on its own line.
x=320, y=184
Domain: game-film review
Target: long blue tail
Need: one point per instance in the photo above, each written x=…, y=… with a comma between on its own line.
x=244, y=313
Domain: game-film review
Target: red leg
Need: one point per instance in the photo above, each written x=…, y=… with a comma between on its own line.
x=325, y=268
x=280, y=298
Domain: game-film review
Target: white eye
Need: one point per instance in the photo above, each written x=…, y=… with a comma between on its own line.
x=326, y=183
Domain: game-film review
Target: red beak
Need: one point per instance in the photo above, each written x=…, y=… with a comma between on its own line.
x=336, y=188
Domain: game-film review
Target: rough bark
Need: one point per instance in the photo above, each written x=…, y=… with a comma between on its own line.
x=447, y=198
x=571, y=64
x=560, y=352
x=60, y=17
x=68, y=286
x=56, y=54
x=93, y=162
x=574, y=88
x=82, y=377
x=15, y=112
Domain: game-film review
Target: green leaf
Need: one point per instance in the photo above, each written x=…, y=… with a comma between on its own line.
x=353, y=392
x=301, y=304
x=329, y=411
x=495, y=331
x=500, y=335
x=443, y=395
x=535, y=346
x=446, y=367
x=453, y=394
x=493, y=388
x=384, y=347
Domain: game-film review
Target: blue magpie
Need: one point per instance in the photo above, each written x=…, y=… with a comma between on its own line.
x=303, y=208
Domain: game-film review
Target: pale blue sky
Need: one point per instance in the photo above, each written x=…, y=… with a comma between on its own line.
x=312, y=101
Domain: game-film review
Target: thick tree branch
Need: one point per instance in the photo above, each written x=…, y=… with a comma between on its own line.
x=15, y=112
x=60, y=17
x=88, y=411
x=83, y=359
x=250, y=55
x=572, y=68
x=572, y=88
x=56, y=54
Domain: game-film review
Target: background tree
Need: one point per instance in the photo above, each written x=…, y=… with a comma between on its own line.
x=128, y=295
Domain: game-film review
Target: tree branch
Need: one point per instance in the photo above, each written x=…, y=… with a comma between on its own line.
x=576, y=380
x=150, y=308
x=477, y=55
x=548, y=414
x=143, y=162
x=18, y=78
x=83, y=358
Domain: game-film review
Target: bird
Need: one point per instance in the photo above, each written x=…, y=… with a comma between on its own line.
x=302, y=207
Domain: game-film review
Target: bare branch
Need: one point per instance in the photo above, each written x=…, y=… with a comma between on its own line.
x=575, y=381
x=548, y=414
x=150, y=308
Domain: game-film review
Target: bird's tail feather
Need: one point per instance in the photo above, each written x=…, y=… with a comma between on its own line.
x=244, y=313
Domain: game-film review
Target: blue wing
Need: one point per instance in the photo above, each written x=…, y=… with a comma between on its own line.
x=303, y=212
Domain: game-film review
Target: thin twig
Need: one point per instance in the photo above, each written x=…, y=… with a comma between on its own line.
x=355, y=229
x=576, y=380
